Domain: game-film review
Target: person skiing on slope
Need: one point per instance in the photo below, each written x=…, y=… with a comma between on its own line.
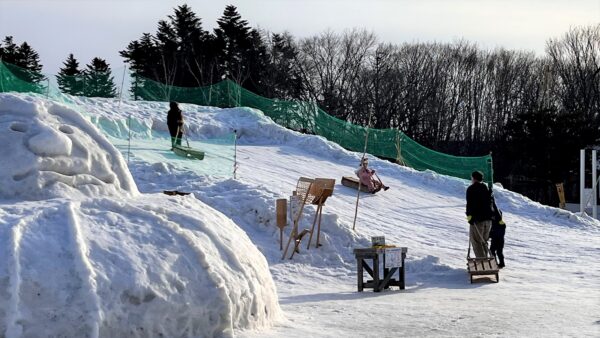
x=175, y=124
x=366, y=177
x=479, y=214
x=497, y=234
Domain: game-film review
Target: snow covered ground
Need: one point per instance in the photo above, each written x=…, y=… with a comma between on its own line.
x=551, y=286
x=84, y=254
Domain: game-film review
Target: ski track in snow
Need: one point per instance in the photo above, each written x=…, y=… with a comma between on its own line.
x=84, y=268
x=13, y=327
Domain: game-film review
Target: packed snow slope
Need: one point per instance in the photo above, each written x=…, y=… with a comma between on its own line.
x=84, y=254
x=550, y=287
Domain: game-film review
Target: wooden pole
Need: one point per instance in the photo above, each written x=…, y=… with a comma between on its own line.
x=296, y=221
x=122, y=84
x=235, y=155
x=129, y=137
x=312, y=230
x=361, y=161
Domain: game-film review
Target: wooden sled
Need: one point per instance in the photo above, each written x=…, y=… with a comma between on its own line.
x=483, y=267
x=188, y=152
x=352, y=182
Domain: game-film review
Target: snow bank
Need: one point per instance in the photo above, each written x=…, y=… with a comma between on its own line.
x=252, y=125
x=152, y=266
x=86, y=255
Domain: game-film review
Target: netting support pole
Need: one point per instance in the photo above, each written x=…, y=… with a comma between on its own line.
x=595, y=183
x=361, y=161
x=129, y=138
x=491, y=164
x=582, y=181
x=122, y=84
x=235, y=155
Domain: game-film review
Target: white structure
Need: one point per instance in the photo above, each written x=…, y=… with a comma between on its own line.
x=587, y=196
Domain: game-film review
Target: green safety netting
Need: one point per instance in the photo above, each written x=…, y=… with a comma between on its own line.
x=297, y=115
x=134, y=138
x=308, y=118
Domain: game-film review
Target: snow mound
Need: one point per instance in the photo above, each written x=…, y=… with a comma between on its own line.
x=49, y=150
x=154, y=266
x=86, y=255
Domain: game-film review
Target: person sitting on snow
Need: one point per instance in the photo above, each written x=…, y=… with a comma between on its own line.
x=367, y=178
x=175, y=124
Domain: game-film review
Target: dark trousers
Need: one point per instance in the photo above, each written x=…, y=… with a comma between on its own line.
x=175, y=136
x=497, y=246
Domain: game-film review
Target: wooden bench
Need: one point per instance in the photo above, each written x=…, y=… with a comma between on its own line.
x=483, y=267
x=378, y=284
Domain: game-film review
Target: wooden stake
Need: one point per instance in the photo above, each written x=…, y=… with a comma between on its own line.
x=281, y=212
x=361, y=161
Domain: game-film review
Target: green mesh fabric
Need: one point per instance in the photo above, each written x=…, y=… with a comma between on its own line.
x=308, y=118
x=16, y=79
x=145, y=143
x=297, y=115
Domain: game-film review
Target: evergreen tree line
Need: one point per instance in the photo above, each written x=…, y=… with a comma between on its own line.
x=24, y=57
x=182, y=53
x=533, y=111
x=95, y=80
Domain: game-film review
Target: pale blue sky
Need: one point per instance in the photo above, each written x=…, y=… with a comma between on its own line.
x=91, y=28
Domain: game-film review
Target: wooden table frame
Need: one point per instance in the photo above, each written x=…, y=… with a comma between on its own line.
x=378, y=284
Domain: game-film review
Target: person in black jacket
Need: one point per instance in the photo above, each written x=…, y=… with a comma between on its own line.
x=497, y=235
x=175, y=124
x=479, y=214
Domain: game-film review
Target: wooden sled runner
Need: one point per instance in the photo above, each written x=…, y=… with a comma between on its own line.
x=352, y=182
x=188, y=152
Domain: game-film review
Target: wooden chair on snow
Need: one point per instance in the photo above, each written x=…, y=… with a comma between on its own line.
x=322, y=188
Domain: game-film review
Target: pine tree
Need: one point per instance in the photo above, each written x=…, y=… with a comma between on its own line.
x=179, y=53
x=98, y=81
x=30, y=60
x=233, y=41
x=191, y=41
x=70, y=78
x=26, y=60
x=283, y=79
x=9, y=50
